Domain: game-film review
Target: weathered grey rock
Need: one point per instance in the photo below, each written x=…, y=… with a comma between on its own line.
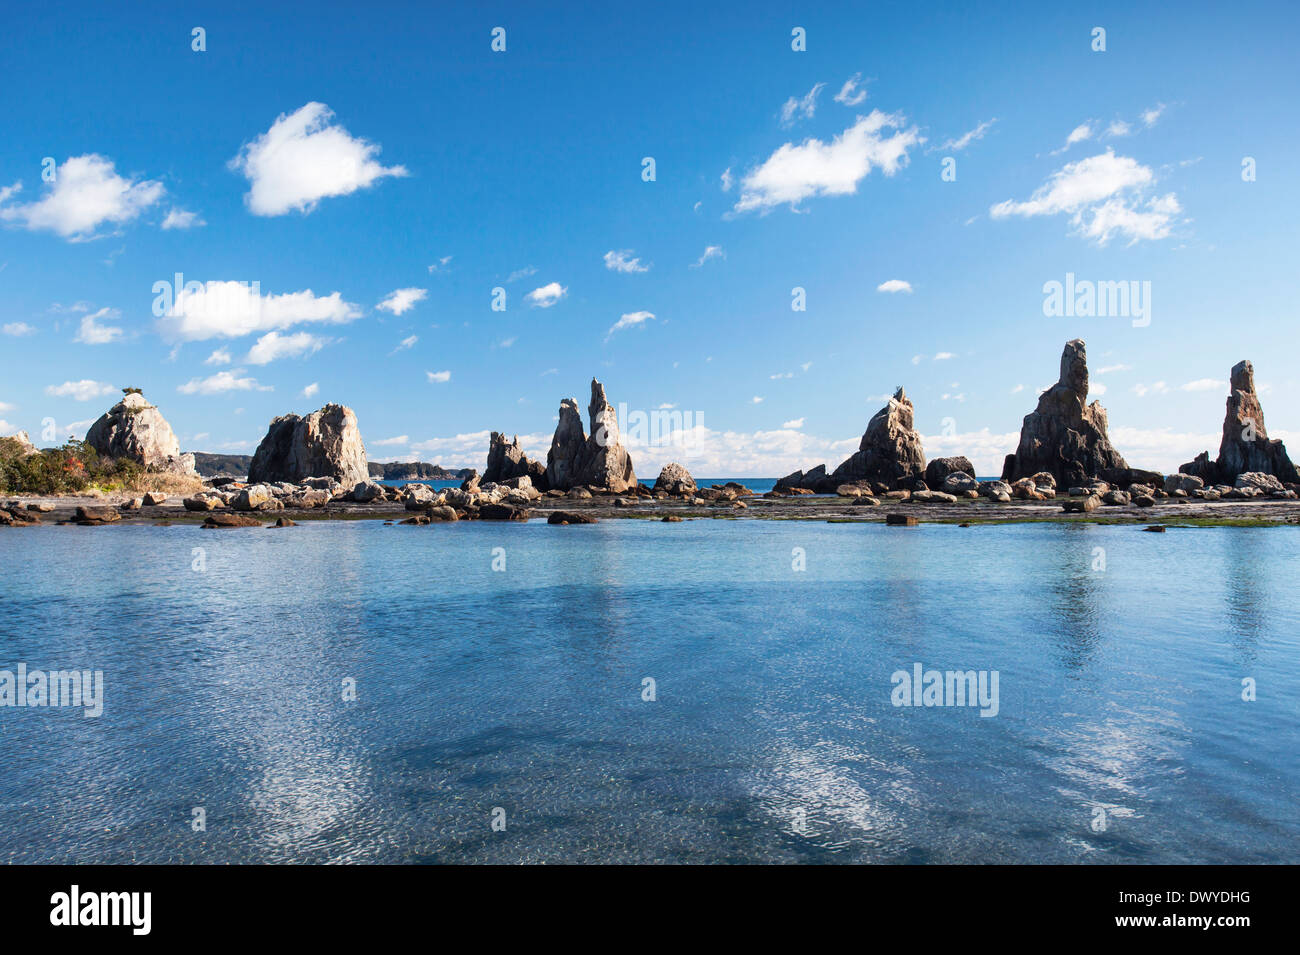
x=933, y=497
x=890, y=450
x=325, y=443
x=215, y=521
x=675, y=479
x=1065, y=436
x=364, y=492
x=256, y=497
x=568, y=444
x=937, y=471
x=1183, y=482
x=203, y=501
x=1259, y=480
x=569, y=517
x=1082, y=504
x=505, y=460
x=89, y=516
x=959, y=482
x=1245, y=446
x=1116, y=498
x=136, y=430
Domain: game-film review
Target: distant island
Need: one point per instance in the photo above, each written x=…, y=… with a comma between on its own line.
x=236, y=466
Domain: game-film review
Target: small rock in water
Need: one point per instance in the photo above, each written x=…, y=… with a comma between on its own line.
x=569, y=517
x=284, y=522
x=901, y=520
x=1155, y=528
x=216, y=521
x=672, y=519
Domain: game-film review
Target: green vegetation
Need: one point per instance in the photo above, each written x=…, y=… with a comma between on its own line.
x=71, y=469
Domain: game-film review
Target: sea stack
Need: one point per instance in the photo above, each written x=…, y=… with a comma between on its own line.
x=597, y=461
x=890, y=451
x=506, y=461
x=1246, y=446
x=567, y=446
x=1065, y=436
x=136, y=430
x=326, y=443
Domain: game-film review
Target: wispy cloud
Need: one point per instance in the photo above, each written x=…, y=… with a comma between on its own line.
x=83, y=390
x=804, y=107
x=402, y=300
x=850, y=94
x=710, y=252
x=629, y=320
x=438, y=377
x=624, y=260
x=968, y=137
x=93, y=333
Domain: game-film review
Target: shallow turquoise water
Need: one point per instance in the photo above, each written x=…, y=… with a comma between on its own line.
x=772, y=738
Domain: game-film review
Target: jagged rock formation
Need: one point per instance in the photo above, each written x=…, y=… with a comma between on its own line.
x=889, y=454
x=567, y=446
x=326, y=443
x=890, y=451
x=1065, y=436
x=505, y=460
x=599, y=460
x=135, y=429
x=1246, y=446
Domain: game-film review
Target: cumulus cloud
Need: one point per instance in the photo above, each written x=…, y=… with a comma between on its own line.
x=93, y=333
x=547, y=295
x=305, y=157
x=182, y=219
x=86, y=193
x=221, y=382
x=273, y=345
x=83, y=390
x=968, y=137
x=311, y=391
x=233, y=309
x=710, y=252
x=894, y=285
x=797, y=422
x=18, y=329
x=849, y=93
x=803, y=107
x=219, y=357
x=438, y=377
x=629, y=320
x=623, y=260
x=402, y=300
x=815, y=168
x=1103, y=196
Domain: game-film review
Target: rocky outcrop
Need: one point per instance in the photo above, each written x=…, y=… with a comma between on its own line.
x=1065, y=436
x=1246, y=446
x=567, y=447
x=605, y=462
x=136, y=430
x=890, y=451
x=505, y=459
x=326, y=443
x=937, y=471
x=675, y=479
x=25, y=446
x=598, y=460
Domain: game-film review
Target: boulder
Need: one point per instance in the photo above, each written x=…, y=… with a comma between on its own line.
x=365, y=492
x=1183, y=482
x=1082, y=505
x=1259, y=480
x=325, y=443
x=136, y=430
x=1245, y=446
x=154, y=498
x=203, y=501
x=569, y=517
x=959, y=482
x=937, y=471
x=89, y=516
x=255, y=497
x=502, y=512
x=442, y=513
x=505, y=460
x=890, y=450
x=1065, y=436
x=675, y=479
x=215, y=521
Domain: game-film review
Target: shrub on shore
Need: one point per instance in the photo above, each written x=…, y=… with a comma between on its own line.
x=75, y=468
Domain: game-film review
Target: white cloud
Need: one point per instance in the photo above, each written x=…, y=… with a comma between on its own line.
x=547, y=295
x=894, y=285
x=221, y=382
x=1093, y=192
x=1097, y=389
x=507, y=342
x=1152, y=115
x=311, y=390
x=780, y=375
x=18, y=329
x=814, y=168
x=405, y=343
x=1080, y=133
x=968, y=137
x=86, y=193
x=756, y=400
x=916, y=359
x=83, y=390
x=219, y=357
x=944, y=356
x=273, y=345
x=849, y=93
x=1204, y=384
x=523, y=273
x=92, y=333
x=302, y=159
x=402, y=300
x=710, y=252
x=1110, y=369
x=1119, y=128
x=797, y=422
x=1017, y=389
x=623, y=260
x=1159, y=388
x=629, y=320
x=182, y=219
x=726, y=180
x=391, y=442
x=235, y=309
x=438, y=377
x=801, y=107
x=440, y=264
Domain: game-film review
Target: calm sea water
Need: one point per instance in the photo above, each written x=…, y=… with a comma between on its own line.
x=1121, y=734
x=757, y=485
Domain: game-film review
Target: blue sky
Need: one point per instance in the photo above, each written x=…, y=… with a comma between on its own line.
x=353, y=153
